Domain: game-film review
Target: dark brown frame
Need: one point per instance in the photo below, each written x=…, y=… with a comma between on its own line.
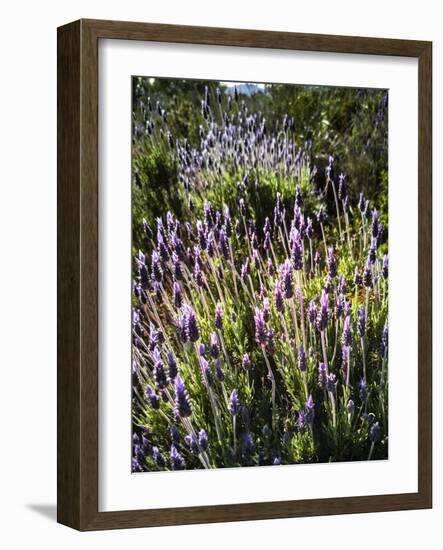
x=77, y=480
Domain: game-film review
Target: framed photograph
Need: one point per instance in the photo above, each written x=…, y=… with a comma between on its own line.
x=244, y=275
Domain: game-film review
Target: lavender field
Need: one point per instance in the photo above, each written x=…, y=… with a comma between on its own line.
x=260, y=275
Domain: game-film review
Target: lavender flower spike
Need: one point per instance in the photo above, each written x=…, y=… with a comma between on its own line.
x=219, y=317
x=309, y=412
x=190, y=323
x=260, y=327
x=214, y=348
x=322, y=316
x=182, y=402
x=347, y=332
x=302, y=364
x=361, y=323
x=332, y=263
x=286, y=278
x=234, y=403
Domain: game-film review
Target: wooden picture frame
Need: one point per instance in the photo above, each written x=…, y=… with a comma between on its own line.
x=78, y=274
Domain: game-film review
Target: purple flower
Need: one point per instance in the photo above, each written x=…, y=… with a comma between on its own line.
x=277, y=461
x=342, y=287
x=214, y=349
x=218, y=317
x=379, y=234
x=245, y=270
x=367, y=274
x=201, y=235
x=296, y=251
x=160, y=377
x=322, y=316
x=350, y=406
x=372, y=256
x=209, y=213
x=260, y=327
x=153, y=338
x=203, y=440
x=266, y=309
x=322, y=376
x=309, y=410
x=242, y=207
x=256, y=259
x=267, y=241
x=183, y=404
x=162, y=248
x=152, y=398
x=361, y=322
x=210, y=244
x=278, y=297
x=158, y=457
x=234, y=403
x=363, y=389
x=328, y=283
x=357, y=277
x=192, y=443
x=374, y=225
x=302, y=363
x=271, y=269
x=177, y=295
x=135, y=465
x=331, y=383
x=346, y=339
x=237, y=229
x=298, y=196
x=375, y=432
x=385, y=268
x=342, y=188
x=321, y=217
x=312, y=312
x=309, y=228
x=157, y=271
x=286, y=279
x=198, y=274
x=192, y=329
x=254, y=241
x=384, y=341
x=206, y=372
x=223, y=244
x=172, y=366
x=177, y=461
x=177, y=270
x=246, y=362
x=332, y=263
x=219, y=371
x=142, y=270
x=339, y=304
x=270, y=344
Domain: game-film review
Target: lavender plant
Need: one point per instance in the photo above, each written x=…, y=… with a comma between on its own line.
x=260, y=303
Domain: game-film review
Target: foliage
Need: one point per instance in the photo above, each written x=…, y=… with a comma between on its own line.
x=260, y=291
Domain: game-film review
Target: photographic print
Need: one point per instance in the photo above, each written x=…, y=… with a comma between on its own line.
x=260, y=274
